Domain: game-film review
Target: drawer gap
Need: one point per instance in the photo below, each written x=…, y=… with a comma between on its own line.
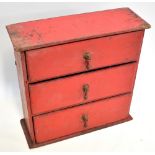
x=83, y=72
x=82, y=104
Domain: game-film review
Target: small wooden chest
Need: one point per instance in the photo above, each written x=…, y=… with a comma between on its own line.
x=76, y=72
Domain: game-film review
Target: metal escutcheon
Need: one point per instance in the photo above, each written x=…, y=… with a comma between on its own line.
x=87, y=58
x=85, y=91
x=84, y=118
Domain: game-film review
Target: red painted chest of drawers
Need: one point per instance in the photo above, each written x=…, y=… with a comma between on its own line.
x=76, y=72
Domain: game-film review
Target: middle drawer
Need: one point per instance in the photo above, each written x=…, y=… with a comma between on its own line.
x=82, y=88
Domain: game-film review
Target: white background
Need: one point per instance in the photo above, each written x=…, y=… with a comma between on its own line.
x=136, y=135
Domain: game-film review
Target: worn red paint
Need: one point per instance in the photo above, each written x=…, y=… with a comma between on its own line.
x=61, y=123
x=46, y=63
x=52, y=71
x=53, y=31
x=22, y=76
x=60, y=93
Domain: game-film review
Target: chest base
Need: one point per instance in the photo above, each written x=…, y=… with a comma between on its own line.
x=35, y=145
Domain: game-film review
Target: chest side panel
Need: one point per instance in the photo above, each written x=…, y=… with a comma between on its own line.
x=24, y=91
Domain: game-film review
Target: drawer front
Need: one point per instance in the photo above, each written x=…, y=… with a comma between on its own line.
x=80, y=56
x=65, y=122
x=69, y=91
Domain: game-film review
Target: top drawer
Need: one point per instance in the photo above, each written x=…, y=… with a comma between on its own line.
x=50, y=62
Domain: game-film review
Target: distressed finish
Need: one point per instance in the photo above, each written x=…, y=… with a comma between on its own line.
x=54, y=31
x=64, y=92
x=70, y=121
x=69, y=58
x=77, y=72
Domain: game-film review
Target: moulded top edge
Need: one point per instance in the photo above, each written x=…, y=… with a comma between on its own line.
x=59, y=30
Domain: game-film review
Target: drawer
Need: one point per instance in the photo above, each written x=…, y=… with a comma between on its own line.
x=65, y=122
x=82, y=88
x=50, y=62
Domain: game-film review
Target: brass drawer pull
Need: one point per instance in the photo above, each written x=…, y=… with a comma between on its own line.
x=84, y=118
x=87, y=58
x=85, y=91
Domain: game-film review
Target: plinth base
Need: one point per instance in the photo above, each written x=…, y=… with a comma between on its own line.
x=34, y=145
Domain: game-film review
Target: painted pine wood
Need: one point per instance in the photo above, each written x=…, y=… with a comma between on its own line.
x=54, y=31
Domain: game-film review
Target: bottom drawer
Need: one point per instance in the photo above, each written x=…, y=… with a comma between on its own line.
x=68, y=121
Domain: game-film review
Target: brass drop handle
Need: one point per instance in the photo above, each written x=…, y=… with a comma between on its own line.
x=84, y=118
x=85, y=91
x=87, y=58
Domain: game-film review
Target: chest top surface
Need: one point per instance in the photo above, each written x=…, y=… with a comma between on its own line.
x=53, y=31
